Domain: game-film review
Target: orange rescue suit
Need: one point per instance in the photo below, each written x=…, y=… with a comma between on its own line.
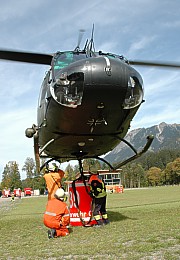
x=57, y=216
x=53, y=182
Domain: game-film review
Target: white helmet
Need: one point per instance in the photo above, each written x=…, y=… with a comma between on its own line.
x=60, y=193
x=52, y=166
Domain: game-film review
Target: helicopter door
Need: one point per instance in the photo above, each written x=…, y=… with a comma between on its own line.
x=43, y=101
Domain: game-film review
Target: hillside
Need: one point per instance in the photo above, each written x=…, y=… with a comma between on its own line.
x=166, y=136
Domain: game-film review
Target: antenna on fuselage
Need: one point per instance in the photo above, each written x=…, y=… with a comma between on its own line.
x=90, y=47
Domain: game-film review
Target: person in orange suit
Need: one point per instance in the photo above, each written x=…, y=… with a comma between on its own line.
x=53, y=179
x=57, y=216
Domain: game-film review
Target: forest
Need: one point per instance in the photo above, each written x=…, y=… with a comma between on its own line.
x=152, y=169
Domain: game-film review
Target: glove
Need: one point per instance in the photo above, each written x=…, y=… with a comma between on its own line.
x=91, y=195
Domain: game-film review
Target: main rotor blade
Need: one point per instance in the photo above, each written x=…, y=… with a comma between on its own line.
x=29, y=57
x=155, y=64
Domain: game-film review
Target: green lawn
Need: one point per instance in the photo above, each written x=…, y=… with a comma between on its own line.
x=145, y=224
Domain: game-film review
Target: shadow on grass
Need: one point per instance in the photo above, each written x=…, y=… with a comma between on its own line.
x=116, y=216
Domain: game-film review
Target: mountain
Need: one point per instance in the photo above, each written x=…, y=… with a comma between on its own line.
x=166, y=136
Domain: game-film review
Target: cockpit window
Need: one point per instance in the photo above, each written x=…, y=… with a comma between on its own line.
x=134, y=94
x=68, y=91
x=68, y=83
x=64, y=59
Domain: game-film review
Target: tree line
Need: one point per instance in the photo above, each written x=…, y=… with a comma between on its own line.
x=152, y=169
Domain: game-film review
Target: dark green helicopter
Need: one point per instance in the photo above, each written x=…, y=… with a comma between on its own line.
x=86, y=104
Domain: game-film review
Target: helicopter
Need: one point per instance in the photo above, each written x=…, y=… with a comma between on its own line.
x=87, y=101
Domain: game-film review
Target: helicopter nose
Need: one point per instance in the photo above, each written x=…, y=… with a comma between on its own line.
x=104, y=71
x=109, y=75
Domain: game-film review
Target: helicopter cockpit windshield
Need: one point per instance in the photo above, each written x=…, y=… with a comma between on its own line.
x=69, y=84
x=64, y=59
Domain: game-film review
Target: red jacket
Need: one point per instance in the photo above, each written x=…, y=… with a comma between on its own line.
x=57, y=214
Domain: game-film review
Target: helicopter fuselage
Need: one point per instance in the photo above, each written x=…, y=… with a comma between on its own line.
x=86, y=104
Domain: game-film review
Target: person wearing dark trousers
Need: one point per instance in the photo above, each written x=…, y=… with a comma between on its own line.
x=98, y=192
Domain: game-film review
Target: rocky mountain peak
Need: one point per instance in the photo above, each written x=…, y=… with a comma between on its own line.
x=166, y=136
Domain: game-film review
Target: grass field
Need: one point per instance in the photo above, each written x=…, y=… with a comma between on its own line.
x=145, y=224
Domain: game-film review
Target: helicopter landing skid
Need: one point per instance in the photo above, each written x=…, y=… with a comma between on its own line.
x=137, y=154
x=118, y=165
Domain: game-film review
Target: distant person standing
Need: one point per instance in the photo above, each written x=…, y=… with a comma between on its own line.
x=12, y=197
x=53, y=179
x=57, y=216
x=98, y=191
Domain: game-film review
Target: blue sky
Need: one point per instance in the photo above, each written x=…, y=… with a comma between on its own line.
x=141, y=29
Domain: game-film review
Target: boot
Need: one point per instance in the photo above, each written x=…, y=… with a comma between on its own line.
x=51, y=233
x=99, y=223
x=106, y=221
